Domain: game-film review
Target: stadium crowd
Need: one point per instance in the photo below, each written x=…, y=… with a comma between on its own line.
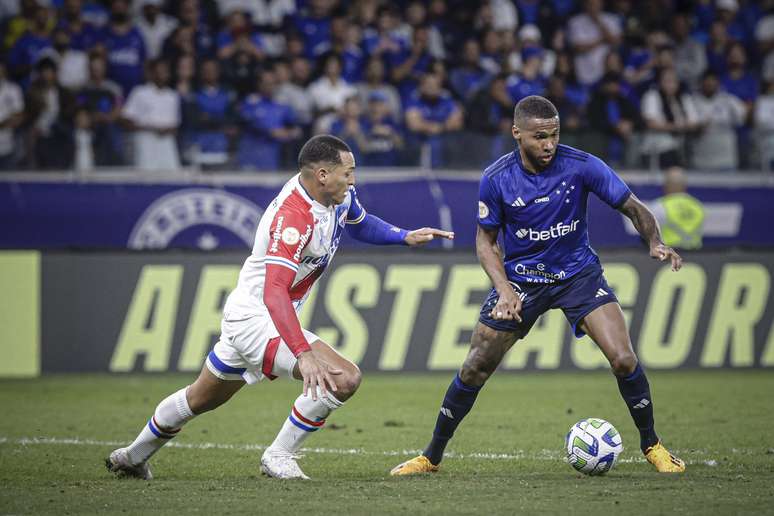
x=242, y=83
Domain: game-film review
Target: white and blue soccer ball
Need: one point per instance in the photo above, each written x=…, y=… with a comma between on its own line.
x=593, y=446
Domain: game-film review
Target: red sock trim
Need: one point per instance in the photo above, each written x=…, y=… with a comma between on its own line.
x=305, y=420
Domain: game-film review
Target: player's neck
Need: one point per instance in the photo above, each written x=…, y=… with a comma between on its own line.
x=313, y=191
x=527, y=164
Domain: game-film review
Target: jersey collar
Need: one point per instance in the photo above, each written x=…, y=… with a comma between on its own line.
x=308, y=198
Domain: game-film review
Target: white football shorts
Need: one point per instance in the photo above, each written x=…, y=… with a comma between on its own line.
x=251, y=350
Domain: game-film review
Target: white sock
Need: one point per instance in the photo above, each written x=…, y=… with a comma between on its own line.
x=305, y=417
x=171, y=414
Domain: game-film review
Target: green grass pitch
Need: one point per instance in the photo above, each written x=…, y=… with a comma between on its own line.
x=506, y=457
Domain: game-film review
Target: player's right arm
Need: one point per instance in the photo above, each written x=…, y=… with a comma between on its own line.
x=290, y=231
x=490, y=220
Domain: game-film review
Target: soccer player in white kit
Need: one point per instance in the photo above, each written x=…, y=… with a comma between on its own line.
x=261, y=336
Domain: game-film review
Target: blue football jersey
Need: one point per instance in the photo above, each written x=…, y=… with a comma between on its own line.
x=543, y=216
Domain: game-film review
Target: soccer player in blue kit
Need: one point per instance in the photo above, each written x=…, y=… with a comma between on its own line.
x=536, y=195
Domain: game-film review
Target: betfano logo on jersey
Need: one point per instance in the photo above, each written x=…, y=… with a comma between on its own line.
x=557, y=230
x=291, y=236
x=483, y=210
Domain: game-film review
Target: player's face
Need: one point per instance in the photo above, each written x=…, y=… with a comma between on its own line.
x=339, y=178
x=538, y=140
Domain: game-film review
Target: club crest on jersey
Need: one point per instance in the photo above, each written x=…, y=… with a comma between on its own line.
x=483, y=210
x=291, y=236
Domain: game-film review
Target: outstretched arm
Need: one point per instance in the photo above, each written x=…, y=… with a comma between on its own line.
x=647, y=226
x=374, y=230
x=491, y=258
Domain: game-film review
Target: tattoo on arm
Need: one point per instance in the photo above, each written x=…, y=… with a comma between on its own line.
x=642, y=218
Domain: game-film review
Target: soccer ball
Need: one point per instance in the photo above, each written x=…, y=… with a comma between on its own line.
x=593, y=446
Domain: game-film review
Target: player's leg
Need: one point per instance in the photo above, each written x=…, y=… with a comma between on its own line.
x=307, y=415
x=606, y=326
x=206, y=393
x=487, y=348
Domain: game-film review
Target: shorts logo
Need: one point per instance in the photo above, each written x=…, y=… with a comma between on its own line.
x=291, y=236
x=483, y=210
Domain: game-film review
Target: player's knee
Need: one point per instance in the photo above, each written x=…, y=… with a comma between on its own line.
x=349, y=381
x=476, y=371
x=624, y=363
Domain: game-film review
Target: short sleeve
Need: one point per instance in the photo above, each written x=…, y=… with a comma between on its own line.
x=605, y=183
x=289, y=233
x=490, y=211
x=356, y=212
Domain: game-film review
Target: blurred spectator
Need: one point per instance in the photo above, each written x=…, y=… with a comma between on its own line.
x=528, y=81
x=764, y=123
x=469, y=77
x=347, y=126
x=314, y=24
x=270, y=17
x=124, y=46
x=83, y=35
x=690, y=57
x=73, y=64
x=408, y=64
x=239, y=37
x=717, y=48
x=680, y=215
x=185, y=76
x=239, y=72
x=764, y=35
x=49, y=119
x=211, y=117
x=385, y=37
x=292, y=80
x=491, y=55
x=192, y=35
x=154, y=26
x=642, y=61
x=416, y=16
x=613, y=115
x=83, y=141
x=670, y=114
x=431, y=114
x=152, y=111
x=570, y=110
x=27, y=49
x=490, y=113
x=266, y=126
x=505, y=16
x=345, y=41
x=375, y=82
x=330, y=90
x=531, y=38
x=592, y=34
x=25, y=19
x=719, y=112
x=738, y=80
x=381, y=133
x=11, y=117
x=101, y=98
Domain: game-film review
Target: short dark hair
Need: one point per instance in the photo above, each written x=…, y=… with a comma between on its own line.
x=323, y=148
x=531, y=107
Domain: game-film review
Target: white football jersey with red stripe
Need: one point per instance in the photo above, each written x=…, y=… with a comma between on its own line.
x=296, y=232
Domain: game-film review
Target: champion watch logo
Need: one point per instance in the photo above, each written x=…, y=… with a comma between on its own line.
x=600, y=293
x=518, y=202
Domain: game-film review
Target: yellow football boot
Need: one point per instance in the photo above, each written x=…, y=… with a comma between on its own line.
x=414, y=466
x=664, y=461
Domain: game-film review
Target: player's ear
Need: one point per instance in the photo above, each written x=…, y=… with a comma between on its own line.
x=516, y=133
x=322, y=174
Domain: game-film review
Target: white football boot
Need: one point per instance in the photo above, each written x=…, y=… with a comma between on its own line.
x=281, y=464
x=119, y=463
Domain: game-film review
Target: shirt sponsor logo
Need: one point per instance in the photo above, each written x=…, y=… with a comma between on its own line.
x=291, y=236
x=302, y=242
x=540, y=200
x=557, y=230
x=483, y=210
x=275, y=237
x=539, y=271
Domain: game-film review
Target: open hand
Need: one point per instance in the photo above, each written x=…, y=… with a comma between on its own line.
x=508, y=307
x=316, y=372
x=425, y=235
x=663, y=252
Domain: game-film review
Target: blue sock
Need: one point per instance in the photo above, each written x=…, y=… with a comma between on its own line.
x=635, y=391
x=457, y=403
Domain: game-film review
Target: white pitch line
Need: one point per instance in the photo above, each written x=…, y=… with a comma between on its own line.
x=545, y=454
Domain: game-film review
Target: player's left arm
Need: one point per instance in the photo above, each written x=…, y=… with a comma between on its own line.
x=370, y=228
x=647, y=226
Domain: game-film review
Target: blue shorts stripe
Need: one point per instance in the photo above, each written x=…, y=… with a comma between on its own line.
x=301, y=425
x=223, y=368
